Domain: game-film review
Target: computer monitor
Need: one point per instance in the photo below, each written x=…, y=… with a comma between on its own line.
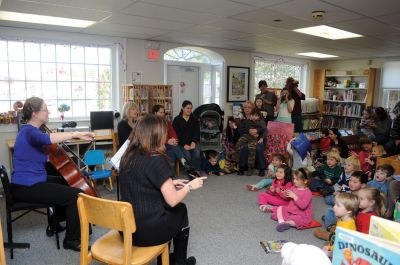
x=100, y=120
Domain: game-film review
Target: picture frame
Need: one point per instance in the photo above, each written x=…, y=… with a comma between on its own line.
x=238, y=83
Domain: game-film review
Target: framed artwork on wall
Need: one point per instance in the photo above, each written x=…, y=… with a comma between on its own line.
x=238, y=83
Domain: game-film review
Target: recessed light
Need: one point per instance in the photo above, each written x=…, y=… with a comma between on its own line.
x=317, y=55
x=328, y=32
x=48, y=20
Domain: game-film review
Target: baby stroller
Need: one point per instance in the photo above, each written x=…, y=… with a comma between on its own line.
x=210, y=135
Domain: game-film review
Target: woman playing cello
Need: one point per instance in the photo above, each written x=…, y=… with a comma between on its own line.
x=29, y=180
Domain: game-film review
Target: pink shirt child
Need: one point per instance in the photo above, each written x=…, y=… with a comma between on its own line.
x=277, y=197
x=299, y=211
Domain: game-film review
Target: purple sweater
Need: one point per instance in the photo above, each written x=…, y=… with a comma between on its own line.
x=29, y=156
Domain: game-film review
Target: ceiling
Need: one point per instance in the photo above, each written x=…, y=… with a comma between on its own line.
x=246, y=25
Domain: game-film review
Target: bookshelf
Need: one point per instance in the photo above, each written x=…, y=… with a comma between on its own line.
x=146, y=96
x=343, y=96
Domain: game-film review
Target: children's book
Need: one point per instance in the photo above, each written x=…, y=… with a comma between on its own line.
x=273, y=246
x=383, y=228
x=354, y=248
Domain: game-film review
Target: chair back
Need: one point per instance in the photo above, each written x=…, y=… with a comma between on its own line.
x=110, y=214
x=6, y=186
x=94, y=157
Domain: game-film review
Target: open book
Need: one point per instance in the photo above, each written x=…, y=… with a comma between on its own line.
x=354, y=248
x=273, y=246
x=115, y=160
x=386, y=229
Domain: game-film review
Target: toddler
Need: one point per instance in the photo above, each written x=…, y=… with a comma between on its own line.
x=380, y=181
x=377, y=151
x=351, y=164
x=372, y=202
x=298, y=213
x=366, y=149
x=211, y=165
x=327, y=175
x=277, y=161
x=358, y=180
x=345, y=209
x=276, y=193
x=338, y=150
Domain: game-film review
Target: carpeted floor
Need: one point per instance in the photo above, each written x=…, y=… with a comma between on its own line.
x=226, y=228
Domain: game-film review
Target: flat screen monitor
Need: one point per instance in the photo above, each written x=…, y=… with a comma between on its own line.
x=100, y=120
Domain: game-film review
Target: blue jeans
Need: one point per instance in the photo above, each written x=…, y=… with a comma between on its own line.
x=174, y=152
x=260, y=160
x=317, y=184
x=297, y=120
x=330, y=200
x=193, y=156
x=330, y=218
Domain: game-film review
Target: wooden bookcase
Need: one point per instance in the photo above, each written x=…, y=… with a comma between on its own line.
x=146, y=96
x=343, y=96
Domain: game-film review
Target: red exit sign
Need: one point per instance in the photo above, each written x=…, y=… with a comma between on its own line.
x=153, y=55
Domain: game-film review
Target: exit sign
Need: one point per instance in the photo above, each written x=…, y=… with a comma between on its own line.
x=153, y=55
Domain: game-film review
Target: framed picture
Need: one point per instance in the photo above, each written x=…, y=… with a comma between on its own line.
x=238, y=83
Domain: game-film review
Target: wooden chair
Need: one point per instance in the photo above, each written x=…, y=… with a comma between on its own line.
x=110, y=248
x=2, y=254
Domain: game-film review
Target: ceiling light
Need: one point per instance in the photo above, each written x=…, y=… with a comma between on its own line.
x=48, y=20
x=328, y=32
x=317, y=55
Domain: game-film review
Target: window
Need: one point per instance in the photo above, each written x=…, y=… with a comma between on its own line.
x=186, y=55
x=276, y=73
x=79, y=76
x=391, y=84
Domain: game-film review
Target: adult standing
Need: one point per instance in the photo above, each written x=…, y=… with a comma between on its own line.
x=382, y=126
x=187, y=128
x=298, y=96
x=29, y=180
x=269, y=99
x=129, y=116
x=285, y=107
x=337, y=140
x=393, y=145
x=146, y=183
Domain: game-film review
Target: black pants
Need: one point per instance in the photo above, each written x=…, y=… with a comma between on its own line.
x=53, y=191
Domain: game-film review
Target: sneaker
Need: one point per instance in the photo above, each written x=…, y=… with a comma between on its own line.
x=321, y=234
x=282, y=227
x=261, y=173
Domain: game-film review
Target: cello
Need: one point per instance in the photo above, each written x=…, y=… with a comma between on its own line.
x=67, y=167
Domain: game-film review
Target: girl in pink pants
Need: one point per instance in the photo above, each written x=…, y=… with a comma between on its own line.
x=276, y=194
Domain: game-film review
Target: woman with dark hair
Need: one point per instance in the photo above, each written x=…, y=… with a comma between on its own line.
x=29, y=180
x=337, y=140
x=171, y=143
x=382, y=126
x=129, y=116
x=146, y=183
x=187, y=128
x=293, y=86
x=229, y=137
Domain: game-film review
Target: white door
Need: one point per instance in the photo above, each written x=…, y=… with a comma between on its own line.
x=186, y=83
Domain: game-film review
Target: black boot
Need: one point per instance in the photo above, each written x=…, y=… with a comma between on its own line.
x=180, y=249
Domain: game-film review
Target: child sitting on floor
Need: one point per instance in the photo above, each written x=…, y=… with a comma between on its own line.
x=358, y=180
x=276, y=193
x=298, y=213
x=277, y=161
x=211, y=165
x=377, y=151
x=346, y=207
x=380, y=181
x=372, y=202
x=366, y=149
x=351, y=164
x=325, y=177
x=338, y=149
x=297, y=161
x=325, y=143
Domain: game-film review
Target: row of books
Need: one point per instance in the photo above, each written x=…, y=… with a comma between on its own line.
x=309, y=124
x=380, y=246
x=354, y=110
x=161, y=93
x=338, y=122
x=347, y=95
x=136, y=93
x=310, y=105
